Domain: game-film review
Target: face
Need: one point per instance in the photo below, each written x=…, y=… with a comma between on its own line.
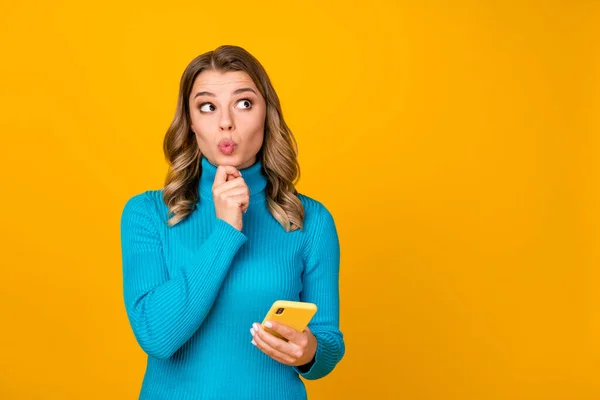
x=228, y=117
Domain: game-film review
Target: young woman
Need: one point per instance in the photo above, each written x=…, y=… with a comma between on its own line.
x=205, y=257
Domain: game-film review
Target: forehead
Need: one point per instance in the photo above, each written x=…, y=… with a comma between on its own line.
x=222, y=82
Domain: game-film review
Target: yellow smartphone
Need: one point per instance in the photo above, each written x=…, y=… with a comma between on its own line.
x=295, y=314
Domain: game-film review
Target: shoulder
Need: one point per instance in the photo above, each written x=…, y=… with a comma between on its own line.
x=145, y=199
x=320, y=232
x=143, y=207
x=317, y=215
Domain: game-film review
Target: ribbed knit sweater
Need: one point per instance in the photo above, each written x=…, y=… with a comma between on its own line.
x=193, y=290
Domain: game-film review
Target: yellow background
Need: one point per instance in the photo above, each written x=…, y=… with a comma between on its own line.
x=456, y=146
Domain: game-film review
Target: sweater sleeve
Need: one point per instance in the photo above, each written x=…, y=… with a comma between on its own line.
x=321, y=286
x=164, y=311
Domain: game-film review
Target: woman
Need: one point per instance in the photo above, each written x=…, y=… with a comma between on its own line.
x=205, y=257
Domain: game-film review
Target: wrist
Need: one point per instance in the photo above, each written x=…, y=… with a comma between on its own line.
x=311, y=350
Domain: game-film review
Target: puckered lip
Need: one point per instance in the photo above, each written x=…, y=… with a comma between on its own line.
x=227, y=142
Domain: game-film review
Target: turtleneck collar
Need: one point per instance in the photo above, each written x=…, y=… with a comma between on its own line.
x=252, y=175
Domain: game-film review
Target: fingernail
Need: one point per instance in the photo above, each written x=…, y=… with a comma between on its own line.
x=240, y=172
x=252, y=331
x=253, y=342
x=268, y=324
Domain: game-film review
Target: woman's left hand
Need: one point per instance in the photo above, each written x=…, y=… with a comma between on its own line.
x=300, y=349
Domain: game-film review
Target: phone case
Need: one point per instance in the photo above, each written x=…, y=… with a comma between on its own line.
x=295, y=314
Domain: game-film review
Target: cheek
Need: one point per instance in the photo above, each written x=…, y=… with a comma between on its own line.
x=256, y=141
x=204, y=127
x=253, y=129
x=198, y=121
x=255, y=122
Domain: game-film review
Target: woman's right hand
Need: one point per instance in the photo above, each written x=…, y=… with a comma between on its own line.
x=231, y=195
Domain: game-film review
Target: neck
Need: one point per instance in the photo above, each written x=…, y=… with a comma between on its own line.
x=253, y=176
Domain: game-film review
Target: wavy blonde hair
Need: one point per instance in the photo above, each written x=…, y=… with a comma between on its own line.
x=278, y=153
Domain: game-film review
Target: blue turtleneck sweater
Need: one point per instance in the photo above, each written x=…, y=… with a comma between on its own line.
x=193, y=290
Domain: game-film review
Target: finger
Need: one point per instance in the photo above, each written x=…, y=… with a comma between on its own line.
x=240, y=200
x=281, y=360
x=289, y=333
x=235, y=191
x=287, y=348
x=237, y=182
x=270, y=350
x=222, y=172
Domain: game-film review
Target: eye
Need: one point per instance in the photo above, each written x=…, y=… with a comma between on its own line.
x=248, y=101
x=245, y=101
x=205, y=104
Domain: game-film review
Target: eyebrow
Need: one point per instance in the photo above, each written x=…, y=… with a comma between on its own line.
x=237, y=91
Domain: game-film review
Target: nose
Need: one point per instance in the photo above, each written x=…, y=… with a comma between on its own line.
x=226, y=124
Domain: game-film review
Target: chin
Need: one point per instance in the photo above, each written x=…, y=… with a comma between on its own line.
x=223, y=159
